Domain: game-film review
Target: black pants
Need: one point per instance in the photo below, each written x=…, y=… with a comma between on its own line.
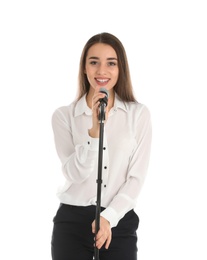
x=72, y=237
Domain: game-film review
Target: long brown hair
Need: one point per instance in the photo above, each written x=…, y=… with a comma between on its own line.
x=123, y=86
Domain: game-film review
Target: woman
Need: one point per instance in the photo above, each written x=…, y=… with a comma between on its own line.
x=126, y=151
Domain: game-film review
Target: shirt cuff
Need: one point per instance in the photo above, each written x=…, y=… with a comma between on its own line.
x=111, y=215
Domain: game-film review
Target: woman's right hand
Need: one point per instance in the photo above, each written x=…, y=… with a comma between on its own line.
x=94, y=131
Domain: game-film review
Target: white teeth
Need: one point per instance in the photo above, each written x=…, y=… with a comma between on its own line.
x=102, y=80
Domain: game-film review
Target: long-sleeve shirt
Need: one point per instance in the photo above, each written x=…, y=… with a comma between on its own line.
x=126, y=152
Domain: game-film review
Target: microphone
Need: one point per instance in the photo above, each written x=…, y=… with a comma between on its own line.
x=105, y=99
x=103, y=104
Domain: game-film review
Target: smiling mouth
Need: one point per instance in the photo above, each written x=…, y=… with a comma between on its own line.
x=102, y=81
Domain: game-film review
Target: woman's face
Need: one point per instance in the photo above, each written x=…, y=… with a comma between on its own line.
x=101, y=66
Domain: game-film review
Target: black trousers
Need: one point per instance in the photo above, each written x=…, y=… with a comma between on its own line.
x=72, y=237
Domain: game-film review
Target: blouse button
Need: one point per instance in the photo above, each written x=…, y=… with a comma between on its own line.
x=105, y=167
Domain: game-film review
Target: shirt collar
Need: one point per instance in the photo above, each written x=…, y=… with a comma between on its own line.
x=118, y=103
x=81, y=106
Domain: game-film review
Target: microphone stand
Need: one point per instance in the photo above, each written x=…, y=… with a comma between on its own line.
x=99, y=179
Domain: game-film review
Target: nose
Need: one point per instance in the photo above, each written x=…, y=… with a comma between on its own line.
x=101, y=69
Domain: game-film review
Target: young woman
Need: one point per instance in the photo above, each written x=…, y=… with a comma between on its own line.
x=126, y=151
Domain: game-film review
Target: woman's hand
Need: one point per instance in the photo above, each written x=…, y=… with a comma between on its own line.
x=94, y=131
x=104, y=234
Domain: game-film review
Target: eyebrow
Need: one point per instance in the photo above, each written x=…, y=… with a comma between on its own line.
x=96, y=58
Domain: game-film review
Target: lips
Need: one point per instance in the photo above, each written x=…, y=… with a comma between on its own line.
x=101, y=81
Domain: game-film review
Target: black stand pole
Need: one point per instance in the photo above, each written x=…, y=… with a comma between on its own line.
x=99, y=179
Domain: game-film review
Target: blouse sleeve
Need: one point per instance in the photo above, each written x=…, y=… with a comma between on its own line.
x=77, y=160
x=126, y=198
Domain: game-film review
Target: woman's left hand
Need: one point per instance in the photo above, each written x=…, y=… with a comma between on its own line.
x=104, y=234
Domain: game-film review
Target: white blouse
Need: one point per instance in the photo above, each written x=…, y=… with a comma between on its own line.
x=126, y=152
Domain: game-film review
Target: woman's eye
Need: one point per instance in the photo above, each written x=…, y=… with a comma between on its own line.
x=93, y=62
x=112, y=63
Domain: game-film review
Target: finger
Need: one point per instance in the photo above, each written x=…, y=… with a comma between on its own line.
x=108, y=241
x=102, y=239
x=96, y=105
x=93, y=227
x=99, y=95
x=99, y=239
x=99, y=243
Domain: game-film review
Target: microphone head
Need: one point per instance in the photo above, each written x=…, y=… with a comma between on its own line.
x=105, y=99
x=105, y=91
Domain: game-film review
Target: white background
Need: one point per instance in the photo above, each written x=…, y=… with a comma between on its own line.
x=40, y=47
